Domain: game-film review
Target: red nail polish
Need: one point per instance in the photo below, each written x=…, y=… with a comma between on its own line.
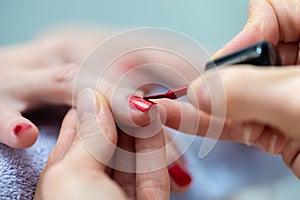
x=21, y=128
x=140, y=103
x=180, y=177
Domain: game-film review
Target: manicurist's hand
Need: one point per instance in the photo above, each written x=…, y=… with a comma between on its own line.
x=73, y=170
x=262, y=107
x=262, y=104
x=276, y=21
x=77, y=167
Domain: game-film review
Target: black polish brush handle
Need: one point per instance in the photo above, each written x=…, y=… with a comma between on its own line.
x=260, y=54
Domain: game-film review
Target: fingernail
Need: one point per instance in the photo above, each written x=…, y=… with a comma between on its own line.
x=140, y=103
x=86, y=103
x=247, y=134
x=100, y=99
x=180, y=177
x=272, y=145
x=22, y=127
x=198, y=93
x=217, y=54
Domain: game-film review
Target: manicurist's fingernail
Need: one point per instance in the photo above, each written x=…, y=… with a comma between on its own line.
x=272, y=145
x=86, y=103
x=21, y=128
x=247, y=134
x=101, y=101
x=179, y=176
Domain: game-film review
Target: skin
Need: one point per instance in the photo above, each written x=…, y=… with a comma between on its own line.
x=45, y=71
x=263, y=108
x=274, y=118
x=74, y=172
x=76, y=167
x=268, y=20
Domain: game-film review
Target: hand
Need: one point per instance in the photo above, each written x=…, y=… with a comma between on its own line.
x=261, y=104
x=40, y=73
x=72, y=170
x=30, y=77
x=276, y=21
x=76, y=167
x=45, y=77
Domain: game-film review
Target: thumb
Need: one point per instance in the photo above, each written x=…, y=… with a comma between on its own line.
x=97, y=135
x=264, y=95
x=262, y=24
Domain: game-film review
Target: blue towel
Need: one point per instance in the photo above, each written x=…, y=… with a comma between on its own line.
x=228, y=168
x=20, y=168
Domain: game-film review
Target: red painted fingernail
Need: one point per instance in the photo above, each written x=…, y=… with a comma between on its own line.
x=140, y=103
x=21, y=128
x=180, y=177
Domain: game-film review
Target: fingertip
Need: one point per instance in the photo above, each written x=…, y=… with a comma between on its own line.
x=246, y=37
x=133, y=111
x=198, y=93
x=24, y=134
x=87, y=105
x=101, y=99
x=97, y=136
x=66, y=137
x=181, y=179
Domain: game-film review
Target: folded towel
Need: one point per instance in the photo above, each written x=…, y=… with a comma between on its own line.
x=228, y=168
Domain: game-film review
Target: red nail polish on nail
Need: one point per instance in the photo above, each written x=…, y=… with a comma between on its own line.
x=21, y=128
x=180, y=177
x=140, y=103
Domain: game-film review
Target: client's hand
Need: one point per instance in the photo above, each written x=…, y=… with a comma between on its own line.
x=31, y=75
x=43, y=75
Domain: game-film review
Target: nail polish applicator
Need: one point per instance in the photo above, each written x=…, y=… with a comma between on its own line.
x=260, y=54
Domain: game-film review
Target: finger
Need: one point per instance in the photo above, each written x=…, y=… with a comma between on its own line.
x=41, y=86
x=36, y=54
x=263, y=95
x=271, y=140
x=50, y=86
x=124, y=164
x=97, y=137
x=57, y=85
x=65, y=139
x=291, y=156
x=63, y=144
x=188, y=119
x=180, y=178
x=261, y=25
x=152, y=180
x=249, y=133
x=289, y=53
x=16, y=131
x=127, y=111
x=268, y=20
x=181, y=116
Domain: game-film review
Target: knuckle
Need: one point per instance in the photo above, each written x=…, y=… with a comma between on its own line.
x=152, y=185
x=235, y=81
x=90, y=127
x=296, y=165
x=65, y=74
